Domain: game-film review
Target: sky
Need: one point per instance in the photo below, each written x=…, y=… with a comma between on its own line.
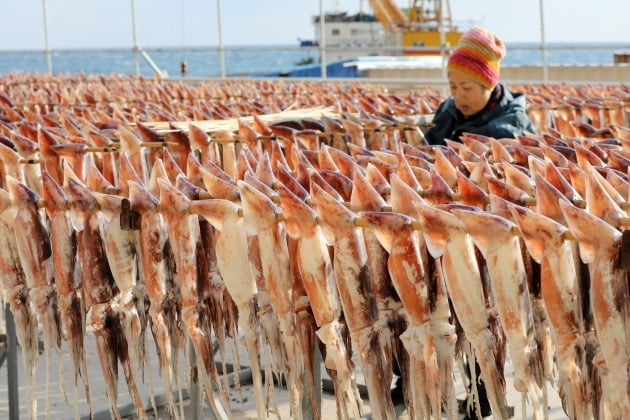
x=188, y=23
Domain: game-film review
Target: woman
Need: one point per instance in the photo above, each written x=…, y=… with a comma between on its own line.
x=479, y=103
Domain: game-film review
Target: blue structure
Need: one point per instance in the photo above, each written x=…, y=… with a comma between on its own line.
x=340, y=68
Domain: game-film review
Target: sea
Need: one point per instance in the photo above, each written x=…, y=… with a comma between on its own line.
x=205, y=62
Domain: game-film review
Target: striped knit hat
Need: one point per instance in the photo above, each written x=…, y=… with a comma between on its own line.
x=478, y=55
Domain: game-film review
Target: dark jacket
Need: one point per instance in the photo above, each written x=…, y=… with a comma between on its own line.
x=504, y=117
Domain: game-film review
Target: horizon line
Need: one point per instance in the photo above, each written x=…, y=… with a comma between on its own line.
x=273, y=47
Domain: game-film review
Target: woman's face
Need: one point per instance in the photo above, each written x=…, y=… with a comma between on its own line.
x=470, y=97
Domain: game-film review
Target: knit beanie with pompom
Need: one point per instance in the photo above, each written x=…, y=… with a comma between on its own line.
x=478, y=55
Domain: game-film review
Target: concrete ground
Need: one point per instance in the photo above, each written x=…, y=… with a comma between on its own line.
x=242, y=405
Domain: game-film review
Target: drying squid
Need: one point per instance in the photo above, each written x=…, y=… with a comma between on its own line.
x=545, y=240
x=402, y=200
x=446, y=237
x=63, y=239
x=610, y=300
x=493, y=236
x=120, y=249
x=355, y=292
x=366, y=198
x=34, y=249
x=153, y=264
x=409, y=276
x=317, y=274
x=260, y=217
x=174, y=206
x=17, y=295
x=99, y=290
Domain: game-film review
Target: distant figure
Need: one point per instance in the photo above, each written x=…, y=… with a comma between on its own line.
x=479, y=103
x=184, y=67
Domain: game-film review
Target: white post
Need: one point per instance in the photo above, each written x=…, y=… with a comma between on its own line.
x=322, y=39
x=135, y=41
x=442, y=41
x=183, y=17
x=543, y=45
x=46, y=47
x=221, y=50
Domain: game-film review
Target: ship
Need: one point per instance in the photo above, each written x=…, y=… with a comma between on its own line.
x=388, y=31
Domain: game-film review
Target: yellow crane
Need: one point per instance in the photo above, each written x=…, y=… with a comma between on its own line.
x=419, y=24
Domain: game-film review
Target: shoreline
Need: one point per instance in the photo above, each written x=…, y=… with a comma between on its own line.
x=617, y=73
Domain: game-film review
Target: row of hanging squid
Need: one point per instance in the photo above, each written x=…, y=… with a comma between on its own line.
x=350, y=233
